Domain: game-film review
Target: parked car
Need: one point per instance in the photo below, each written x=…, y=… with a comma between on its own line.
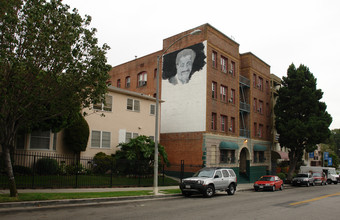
x=209, y=180
x=332, y=176
x=268, y=182
x=319, y=178
x=303, y=179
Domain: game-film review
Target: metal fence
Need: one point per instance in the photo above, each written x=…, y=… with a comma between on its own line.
x=50, y=170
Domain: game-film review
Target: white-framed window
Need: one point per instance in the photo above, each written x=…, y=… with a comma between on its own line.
x=100, y=139
x=142, y=79
x=224, y=123
x=223, y=93
x=152, y=109
x=40, y=140
x=232, y=96
x=127, y=82
x=224, y=64
x=104, y=107
x=129, y=136
x=133, y=105
x=232, y=68
x=214, y=90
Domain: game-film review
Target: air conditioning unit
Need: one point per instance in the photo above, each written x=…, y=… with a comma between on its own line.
x=231, y=71
x=231, y=100
x=142, y=83
x=230, y=129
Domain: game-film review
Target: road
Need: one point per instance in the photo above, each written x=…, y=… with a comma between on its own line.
x=318, y=202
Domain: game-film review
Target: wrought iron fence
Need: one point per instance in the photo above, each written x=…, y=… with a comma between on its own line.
x=51, y=170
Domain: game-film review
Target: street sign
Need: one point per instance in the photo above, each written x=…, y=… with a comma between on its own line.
x=330, y=162
x=325, y=155
x=311, y=154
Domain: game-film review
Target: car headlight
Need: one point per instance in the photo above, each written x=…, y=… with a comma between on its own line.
x=306, y=179
x=200, y=182
x=256, y=184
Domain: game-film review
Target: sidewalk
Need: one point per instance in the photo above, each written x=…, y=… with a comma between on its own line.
x=25, y=206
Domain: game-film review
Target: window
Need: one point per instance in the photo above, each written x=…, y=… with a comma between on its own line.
x=259, y=157
x=232, y=124
x=129, y=136
x=40, y=140
x=260, y=134
x=214, y=90
x=255, y=105
x=255, y=129
x=267, y=86
x=152, y=109
x=20, y=141
x=254, y=80
x=142, y=79
x=260, y=84
x=214, y=59
x=267, y=109
x=155, y=73
x=232, y=96
x=118, y=83
x=133, y=105
x=224, y=64
x=127, y=82
x=232, y=68
x=100, y=139
x=227, y=156
x=213, y=121
x=223, y=123
x=260, y=107
x=104, y=107
x=223, y=93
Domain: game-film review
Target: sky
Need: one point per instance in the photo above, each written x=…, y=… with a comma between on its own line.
x=278, y=32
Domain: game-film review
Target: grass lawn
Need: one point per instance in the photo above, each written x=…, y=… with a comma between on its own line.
x=57, y=196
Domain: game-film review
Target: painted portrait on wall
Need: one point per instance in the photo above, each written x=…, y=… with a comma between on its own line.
x=184, y=83
x=179, y=66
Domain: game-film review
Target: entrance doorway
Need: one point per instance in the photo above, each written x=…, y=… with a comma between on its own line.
x=244, y=165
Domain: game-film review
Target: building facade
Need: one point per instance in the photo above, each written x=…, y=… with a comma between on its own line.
x=216, y=109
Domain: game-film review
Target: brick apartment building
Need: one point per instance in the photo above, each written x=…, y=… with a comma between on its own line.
x=221, y=114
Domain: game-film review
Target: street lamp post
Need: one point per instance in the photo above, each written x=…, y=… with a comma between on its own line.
x=155, y=180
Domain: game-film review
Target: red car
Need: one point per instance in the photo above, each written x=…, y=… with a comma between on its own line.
x=268, y=182
x=319, y=178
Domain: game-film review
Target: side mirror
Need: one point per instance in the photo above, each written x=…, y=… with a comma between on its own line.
x=216, y=176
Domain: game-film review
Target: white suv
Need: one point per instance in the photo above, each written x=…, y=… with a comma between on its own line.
x=208, y=180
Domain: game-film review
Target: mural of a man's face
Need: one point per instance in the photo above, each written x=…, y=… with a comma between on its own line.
x=184, y=67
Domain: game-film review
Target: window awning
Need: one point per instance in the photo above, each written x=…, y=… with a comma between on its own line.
x=228, y=145
x=281, y=155
x=258, y=147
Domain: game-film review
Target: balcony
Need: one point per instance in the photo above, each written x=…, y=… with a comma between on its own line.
x=244, y=107
x=244, y=133
x=244, y=81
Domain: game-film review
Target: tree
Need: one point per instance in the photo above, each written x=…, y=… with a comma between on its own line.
x=139, y=153
x=76, y=135
x=301, y=118
x=50, y=68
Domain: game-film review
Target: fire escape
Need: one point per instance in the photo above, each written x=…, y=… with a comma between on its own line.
x=244, y=107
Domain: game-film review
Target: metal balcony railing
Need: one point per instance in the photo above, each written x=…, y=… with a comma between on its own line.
x=244, y=107
x=244, y=133
x=244, y=81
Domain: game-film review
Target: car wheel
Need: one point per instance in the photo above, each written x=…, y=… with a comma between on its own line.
x=256, y=189
x=313, y=183
x=307, y=184
x=335, y=182
x=281, y=187
x=273, y=188
x=209, y=191
x=329, y=181
x=231, y=190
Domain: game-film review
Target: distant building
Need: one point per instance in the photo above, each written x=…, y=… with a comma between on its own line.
x=217, y=108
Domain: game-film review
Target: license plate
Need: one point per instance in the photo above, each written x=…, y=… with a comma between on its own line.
x=261, y=187
x=187, y=186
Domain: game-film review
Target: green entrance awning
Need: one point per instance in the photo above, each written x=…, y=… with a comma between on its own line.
x=228, y=145
x=258, y=147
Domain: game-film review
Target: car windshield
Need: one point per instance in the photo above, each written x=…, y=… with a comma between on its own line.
x=266, y=178
x=331, y=172
x=205, y=173
x=317, y=174
x=302, y=175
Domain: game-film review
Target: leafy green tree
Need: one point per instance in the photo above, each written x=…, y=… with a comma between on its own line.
x=139, y=153
x=301, y=118
x=50, y=68
x=77, y=134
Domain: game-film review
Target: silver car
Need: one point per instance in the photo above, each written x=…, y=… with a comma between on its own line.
x=303, y=179
x=209, y=180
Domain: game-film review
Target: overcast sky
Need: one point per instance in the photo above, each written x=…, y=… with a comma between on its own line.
x=278, y=32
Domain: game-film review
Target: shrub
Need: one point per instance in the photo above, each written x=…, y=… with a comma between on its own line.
x=282, y=176
x=102, y=163
x=17, y=169
x=46, y=166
